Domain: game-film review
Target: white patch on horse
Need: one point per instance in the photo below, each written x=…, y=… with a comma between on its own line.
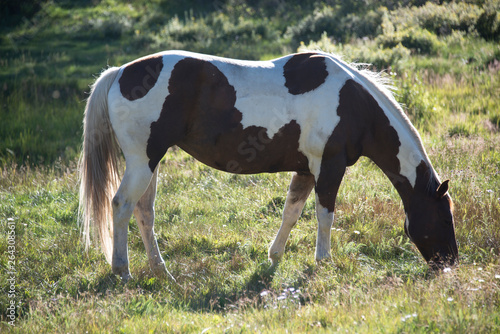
x=132, y=128
x=264, y=101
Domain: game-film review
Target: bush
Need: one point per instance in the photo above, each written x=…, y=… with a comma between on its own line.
x=418, y=40
x=443, y=19
x=365, y=25
x=419, y=104
x=110, y=26
x=361, y=51
x=313, y=25
x=488, y=25
x=439, y=19
x=221, y=35
x=14, y=12
x=336, y=24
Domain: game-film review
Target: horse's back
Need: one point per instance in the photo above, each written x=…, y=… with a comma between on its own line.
x=239, y=116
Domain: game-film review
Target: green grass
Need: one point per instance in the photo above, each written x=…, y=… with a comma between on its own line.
x=214, y=228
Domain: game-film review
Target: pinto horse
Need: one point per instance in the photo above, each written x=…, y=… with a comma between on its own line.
x=308, y=113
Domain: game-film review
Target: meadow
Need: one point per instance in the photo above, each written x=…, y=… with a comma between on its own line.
x=214, y=228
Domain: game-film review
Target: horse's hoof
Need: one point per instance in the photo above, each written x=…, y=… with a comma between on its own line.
x=275, y=257
x=160, y=270
x=123, y=272
x=323, y=256
x=273, y=266
x=126, y=277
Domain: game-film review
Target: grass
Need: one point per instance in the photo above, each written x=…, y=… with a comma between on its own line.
x=213, y=228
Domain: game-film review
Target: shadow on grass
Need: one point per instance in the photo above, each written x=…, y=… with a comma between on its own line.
x=219, y=298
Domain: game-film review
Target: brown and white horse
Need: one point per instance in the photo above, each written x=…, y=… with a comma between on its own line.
x=309, y=113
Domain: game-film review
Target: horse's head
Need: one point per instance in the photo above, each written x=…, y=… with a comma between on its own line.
x=429, y=224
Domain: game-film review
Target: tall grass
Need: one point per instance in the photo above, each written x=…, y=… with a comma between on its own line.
x=214, y=230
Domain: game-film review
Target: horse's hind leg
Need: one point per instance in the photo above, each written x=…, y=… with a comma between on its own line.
x=145, y=215
x=135, y=181
x=299, y=190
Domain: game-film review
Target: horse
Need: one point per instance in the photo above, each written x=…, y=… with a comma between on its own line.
x=309, y=113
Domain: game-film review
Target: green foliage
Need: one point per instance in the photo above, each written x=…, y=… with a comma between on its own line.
x=441, y=19
x=420, y=105
x=415, y=39
x=219, y=34
x=335, y=23
x=361, y=51
x=13, y=12
x=488, y=24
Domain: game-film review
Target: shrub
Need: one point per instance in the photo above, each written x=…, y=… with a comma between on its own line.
x=221, y=35
x=488, y=24
x=365, y=25
x=443, y=19
x=336, y=24
x=361, y=51
x=313, y=26
x=14, y=12
x=439, y=19
x=418, y=40
x=419, y=104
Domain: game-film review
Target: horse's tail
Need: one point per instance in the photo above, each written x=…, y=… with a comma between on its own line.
x=98, y=165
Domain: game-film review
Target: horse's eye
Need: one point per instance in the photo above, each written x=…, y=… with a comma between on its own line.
x=446, y=216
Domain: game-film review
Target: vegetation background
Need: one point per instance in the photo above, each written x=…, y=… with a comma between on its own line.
x=214, y=228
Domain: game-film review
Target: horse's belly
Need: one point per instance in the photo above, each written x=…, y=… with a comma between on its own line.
x=250, y=150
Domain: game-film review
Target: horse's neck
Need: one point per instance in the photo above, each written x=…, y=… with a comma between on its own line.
x=400, y=174
x=395, y=146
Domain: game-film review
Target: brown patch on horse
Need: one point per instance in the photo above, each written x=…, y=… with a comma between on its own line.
x=252, y=151
x=304, y=72
x=199, y=116
x=363, y=129
x=139, y=77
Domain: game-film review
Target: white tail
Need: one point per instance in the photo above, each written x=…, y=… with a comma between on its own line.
x=98, y=166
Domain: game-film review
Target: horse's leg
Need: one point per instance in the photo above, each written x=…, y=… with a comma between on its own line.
x=145, y=215
x=325, y=221
x=135, y=181
x=299, y=190
x=327, y=186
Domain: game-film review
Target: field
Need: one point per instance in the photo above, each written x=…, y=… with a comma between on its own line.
x=214, y=228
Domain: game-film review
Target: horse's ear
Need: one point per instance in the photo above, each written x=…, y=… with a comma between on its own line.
x=442, y=189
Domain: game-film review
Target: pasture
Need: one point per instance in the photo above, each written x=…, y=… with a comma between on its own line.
x=214, y=228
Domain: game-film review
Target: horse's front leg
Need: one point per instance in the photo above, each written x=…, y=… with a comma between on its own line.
x=323, y=240
x=135, y=181
x=300, y=188
x=327, y=186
